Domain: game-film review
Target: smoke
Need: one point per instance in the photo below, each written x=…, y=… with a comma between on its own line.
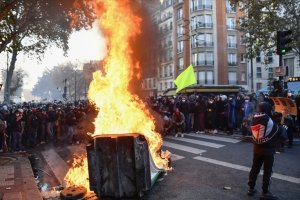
x=144, y=46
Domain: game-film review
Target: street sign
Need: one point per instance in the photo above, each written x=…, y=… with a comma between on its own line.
x=279, y=71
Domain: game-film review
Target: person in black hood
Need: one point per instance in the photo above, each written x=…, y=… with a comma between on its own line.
x=265, y=135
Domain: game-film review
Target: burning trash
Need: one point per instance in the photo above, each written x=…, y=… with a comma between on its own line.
x=119, y=163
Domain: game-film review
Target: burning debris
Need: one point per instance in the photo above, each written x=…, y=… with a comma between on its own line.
x=119, y=163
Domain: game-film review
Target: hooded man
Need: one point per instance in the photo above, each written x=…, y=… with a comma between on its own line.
x=265, y=135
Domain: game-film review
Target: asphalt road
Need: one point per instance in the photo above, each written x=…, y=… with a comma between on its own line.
x=203, y=166
x=217, y=168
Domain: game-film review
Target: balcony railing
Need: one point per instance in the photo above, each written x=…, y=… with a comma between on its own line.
x=201, y=7
x=202, y=25
x=204, y=63
x=232, y=63
x=232, y=45
x=202, y=44
x=230, y=27
x=177, y=2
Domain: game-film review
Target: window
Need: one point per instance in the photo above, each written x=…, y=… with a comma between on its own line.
x=269, y=58
x=180, y=47
x=210, y=77
x=161, y=72
x=202, y=21
x=170, y=70
x=161, y=86
x=231, y=41
x=290, y=63
x=231, y=58
x=202, y=40
x=209, y=40
x=154, y=83
x=258, y=58
x=232, y=78
x=201, y=4
x=166, y=85
x=166, y=71
x=170, y=85
x=243, y=77
x=201, y=77
x=179, y=14
x=180, y=30
x=198, y=59
x=209, y=58
x=203, y=58
x=243, y=58
x=180, y=63
x=270, y=74
x=230, y=23
x=198, y=40
x=229, y=7
x=258, y=72
x=258, y=86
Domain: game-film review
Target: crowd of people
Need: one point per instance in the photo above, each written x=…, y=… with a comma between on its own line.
x=27, y=125
x=212, y=114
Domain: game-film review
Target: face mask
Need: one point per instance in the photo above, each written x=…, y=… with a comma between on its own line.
x=183, y=100
x=247, y=100
x=289, y=94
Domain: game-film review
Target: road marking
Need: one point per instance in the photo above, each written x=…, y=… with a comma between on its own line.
x=183, y=148
x=175, y=157
x=247, y=169
x=209, y=144
x=58, y=166
x=217, y=138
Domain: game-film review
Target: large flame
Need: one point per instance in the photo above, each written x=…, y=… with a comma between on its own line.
x=120, y=112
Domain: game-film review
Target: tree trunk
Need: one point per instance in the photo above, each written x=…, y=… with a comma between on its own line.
x=9, y=76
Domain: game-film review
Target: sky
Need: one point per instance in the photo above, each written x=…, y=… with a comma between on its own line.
x=84, y=45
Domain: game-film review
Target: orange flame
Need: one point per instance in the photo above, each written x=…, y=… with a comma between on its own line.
x=120, y=112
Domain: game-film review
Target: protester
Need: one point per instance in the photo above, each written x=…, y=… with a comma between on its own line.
x=265, y=134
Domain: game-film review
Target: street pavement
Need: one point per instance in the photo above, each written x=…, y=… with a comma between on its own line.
x=205, y=167
x=17, y=181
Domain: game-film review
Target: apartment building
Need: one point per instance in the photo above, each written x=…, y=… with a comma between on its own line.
x=203, y=33
x=263, y=70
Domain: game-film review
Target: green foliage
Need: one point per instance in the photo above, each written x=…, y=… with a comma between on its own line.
x=35, y=24
x=263, y=18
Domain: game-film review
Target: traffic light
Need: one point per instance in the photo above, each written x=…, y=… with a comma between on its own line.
x=283, y=41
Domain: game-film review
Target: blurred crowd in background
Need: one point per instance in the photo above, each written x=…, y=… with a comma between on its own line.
x=27, y=125
x=230, y=114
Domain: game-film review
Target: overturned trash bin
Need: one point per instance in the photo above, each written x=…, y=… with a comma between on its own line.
x=120, y=166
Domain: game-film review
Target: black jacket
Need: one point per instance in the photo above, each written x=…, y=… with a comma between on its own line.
x=266, y=134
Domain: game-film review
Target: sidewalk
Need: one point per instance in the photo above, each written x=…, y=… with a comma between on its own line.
x=16, y=178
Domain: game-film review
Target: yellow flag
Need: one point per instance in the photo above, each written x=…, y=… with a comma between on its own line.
x=185, y=79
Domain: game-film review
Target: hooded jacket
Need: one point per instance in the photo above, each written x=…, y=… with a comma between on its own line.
x=265, y=134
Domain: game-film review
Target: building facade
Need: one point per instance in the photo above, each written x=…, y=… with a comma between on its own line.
x=203, y=33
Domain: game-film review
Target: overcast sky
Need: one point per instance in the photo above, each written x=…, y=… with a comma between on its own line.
x=84, y=46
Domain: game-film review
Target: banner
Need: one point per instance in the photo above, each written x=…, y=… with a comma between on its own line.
x=285, y=105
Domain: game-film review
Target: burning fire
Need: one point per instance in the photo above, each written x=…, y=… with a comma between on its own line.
x=120, y=112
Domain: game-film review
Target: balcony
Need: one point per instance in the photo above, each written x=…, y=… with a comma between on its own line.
x=202, y=25
x=232, y=45
x=202, y=44
x=201, y=7
x=230, y=27
x=204, y=63
x=177, y=2
x=232, y=63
